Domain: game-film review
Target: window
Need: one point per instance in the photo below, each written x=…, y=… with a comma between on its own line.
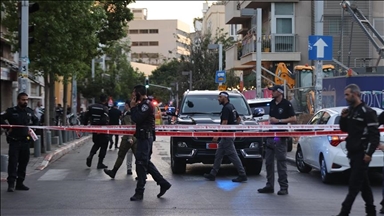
x=378, y=24
x=143, y=31
x=284, y=25
x=283, y=18
x=135, y=43
x=284, y=9
x=153, y=31
x=264, y=105
x=154, y=43
x=133, y=31
x=143, y=43
x=324, y=119
x=315, y=118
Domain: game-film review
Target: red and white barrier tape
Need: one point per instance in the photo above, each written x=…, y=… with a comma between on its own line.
x=243, y=130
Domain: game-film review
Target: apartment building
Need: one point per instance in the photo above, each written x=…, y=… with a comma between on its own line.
x=286, y=26
x=157, y=41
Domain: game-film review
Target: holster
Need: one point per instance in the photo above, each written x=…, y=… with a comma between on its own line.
x=143, y=134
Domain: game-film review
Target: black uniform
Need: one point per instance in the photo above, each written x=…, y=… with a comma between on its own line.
x=276, y=147
x=143, y=116
x=19, y=142
x=97, y=114
x=381, y=122
x=363, y=138
x=114, y=117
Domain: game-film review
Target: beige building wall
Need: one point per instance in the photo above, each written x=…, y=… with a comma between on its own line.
x=214, y=19
x=157, y=41
x=145, y=68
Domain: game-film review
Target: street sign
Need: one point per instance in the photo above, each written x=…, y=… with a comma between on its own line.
x=222, y=87
x=320, y=47
x=220, y=77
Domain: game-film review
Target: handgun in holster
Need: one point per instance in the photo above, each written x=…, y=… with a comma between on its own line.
x=144, y=134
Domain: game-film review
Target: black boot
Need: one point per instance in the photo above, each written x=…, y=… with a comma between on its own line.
x=11, y=186
x=163, y=188
x=111, y=173
x=370, y=210
x=100, y=165
x=21, y=186
x=137, y=197
x=89, y=160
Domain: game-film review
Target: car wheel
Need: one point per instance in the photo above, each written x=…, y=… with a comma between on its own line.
x=325, y=176
x=300, y=164
x=253, y=167
x=178, y=165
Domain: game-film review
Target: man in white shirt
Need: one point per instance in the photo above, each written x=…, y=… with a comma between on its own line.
x=39, y=110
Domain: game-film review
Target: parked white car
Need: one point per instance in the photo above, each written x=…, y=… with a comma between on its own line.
x=261, y=103
x=328, y=153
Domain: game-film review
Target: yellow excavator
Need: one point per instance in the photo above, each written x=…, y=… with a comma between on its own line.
x=301, y=81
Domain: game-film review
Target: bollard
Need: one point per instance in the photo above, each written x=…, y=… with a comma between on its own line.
x=60, y=138
x=4, y=163
x=70, y=135
x=48, y=140
x=37, y=147
x=43, y=141
x=55, y=140
x=64, y=135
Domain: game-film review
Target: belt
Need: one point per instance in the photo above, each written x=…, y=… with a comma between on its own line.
x=27, y=138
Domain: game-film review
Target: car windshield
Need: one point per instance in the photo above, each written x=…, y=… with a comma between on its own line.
x=264, y=105
x=208, y=104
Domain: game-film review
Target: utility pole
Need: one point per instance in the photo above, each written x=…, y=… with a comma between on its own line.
x=23, y=41
x=319, y=11
x=93, y=76
x=258, y=53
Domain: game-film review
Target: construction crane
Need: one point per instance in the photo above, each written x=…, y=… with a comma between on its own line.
x=367, y=28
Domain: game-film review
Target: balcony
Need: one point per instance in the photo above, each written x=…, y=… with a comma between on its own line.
x=275, y=47
x=232, y=13
x=232, y=58
x=262, y=3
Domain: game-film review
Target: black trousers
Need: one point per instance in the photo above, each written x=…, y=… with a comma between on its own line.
x=116, y=139
x=358, y=181
x=100, y=141
x=144, y=165
x=18, y=158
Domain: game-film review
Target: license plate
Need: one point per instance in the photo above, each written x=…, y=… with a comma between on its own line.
x=211, y=145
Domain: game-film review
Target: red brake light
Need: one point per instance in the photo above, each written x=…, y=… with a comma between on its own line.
x=154, y=103
x=335, y=140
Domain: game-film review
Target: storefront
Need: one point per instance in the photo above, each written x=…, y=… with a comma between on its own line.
x=6, y=88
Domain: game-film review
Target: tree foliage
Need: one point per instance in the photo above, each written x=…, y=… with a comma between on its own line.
x=202, y=62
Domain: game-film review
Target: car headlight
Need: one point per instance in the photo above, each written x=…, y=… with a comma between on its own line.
x=182, y=144
x=254, y=145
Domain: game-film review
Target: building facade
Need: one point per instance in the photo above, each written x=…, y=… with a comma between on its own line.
x=286, y=26
x=157, y=41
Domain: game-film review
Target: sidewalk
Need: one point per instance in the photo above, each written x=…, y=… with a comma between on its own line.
x=37, y=164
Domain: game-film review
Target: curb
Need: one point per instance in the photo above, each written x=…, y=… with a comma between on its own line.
x=58, y=153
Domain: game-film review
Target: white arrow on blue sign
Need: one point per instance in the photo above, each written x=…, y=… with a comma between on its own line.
x=320, y=47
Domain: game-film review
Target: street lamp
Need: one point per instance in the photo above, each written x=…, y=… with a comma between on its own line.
x=186, y=73
x=220, y=47
x=256, y=14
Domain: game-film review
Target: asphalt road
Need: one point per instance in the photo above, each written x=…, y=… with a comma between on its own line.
x=69, y=187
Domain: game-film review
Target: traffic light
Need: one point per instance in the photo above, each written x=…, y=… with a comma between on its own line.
x=146, y=82
x=33, y=7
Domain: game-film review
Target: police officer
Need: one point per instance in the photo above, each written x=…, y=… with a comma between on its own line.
x=381, y=122
x=360, y=122
x=229, y=116
x=114, y=117
x=127, y=142
x=142, y=113
x=19, y=140
x=281, y=112
x=97, y=114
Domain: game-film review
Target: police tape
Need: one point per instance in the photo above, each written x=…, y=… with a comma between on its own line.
x=241, y=132
x=206, y=127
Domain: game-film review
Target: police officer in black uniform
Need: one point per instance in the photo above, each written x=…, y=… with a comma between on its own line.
x=97, y=114
x=381, y=122
x=114, y=117
x=142, y=113
x=19, y=141
x=360, y=122
x=281, y=112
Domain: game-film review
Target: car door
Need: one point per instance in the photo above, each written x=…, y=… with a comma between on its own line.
x=307, y=141
x=319, y=143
